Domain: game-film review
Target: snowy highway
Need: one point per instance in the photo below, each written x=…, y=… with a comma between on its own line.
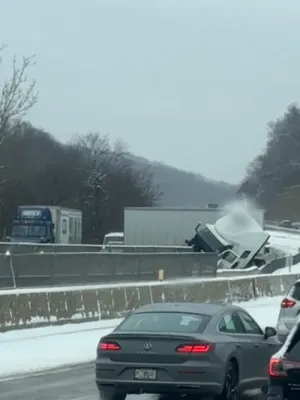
x=56, y=363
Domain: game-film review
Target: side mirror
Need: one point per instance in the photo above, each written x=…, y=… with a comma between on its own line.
x=269, y=332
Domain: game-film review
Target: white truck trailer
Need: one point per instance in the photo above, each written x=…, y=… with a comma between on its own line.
x=159, y=226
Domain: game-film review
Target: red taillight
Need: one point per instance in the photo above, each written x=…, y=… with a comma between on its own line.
x=109, y=346
x=279, y=367
x=276, y=368
x=194, y=348
x=287, y=303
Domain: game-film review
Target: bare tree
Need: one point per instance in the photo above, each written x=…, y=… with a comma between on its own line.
x=18, y=94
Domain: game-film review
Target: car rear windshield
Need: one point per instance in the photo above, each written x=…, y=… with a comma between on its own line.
x=295, y=291
x=166, y=322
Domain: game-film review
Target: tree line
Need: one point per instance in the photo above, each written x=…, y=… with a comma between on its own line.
x=278, y=166
x=88, y=173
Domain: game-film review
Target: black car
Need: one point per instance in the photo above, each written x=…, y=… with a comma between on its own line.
x=185, y=348
x=284, y=369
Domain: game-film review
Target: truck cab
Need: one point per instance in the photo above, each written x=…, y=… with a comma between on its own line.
x=33, y=225
x=113, y=238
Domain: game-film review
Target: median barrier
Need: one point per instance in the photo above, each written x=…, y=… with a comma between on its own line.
x=29, y=248
x=38, y=270
x=57, y=269
x=53, y=307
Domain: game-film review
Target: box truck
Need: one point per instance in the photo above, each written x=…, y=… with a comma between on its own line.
x=47, y=224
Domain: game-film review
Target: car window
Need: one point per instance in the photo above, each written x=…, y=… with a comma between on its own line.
x=165, y=322
x=227, y=324
x=229, y=257
x=250, y=326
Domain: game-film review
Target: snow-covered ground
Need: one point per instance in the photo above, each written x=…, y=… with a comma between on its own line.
x=38, y=349
x=289, y=243
x=294, y=269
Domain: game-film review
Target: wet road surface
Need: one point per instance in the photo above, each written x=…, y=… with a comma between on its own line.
x=75, y=383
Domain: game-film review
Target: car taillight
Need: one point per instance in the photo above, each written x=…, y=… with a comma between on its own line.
x=194, y=348
x=279, y=367
x=287, y=303
x=276, y=368
x=109, y=346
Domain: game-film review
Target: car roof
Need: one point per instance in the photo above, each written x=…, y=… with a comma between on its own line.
x=185, y=307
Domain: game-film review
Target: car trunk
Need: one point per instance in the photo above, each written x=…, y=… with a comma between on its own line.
x=155, y=348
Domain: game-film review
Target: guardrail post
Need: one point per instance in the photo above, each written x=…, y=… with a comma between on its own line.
x=7, y=254
x=289, y=262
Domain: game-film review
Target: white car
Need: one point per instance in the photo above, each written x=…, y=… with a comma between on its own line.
x=289, y=311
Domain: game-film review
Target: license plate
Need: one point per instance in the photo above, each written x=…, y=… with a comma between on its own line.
x=145, y=374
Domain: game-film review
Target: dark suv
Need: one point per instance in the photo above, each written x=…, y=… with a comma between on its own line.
x=284, y=369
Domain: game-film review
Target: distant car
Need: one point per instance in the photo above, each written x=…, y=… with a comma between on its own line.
x=289, y=311
x=285, y=223
x=113, y=239
x=284, y=369
x=185, y=348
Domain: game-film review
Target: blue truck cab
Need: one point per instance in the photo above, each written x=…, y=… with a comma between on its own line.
x=47, y=224
x=33, y=224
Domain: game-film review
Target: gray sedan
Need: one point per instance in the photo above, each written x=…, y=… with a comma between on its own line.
x=185, y=348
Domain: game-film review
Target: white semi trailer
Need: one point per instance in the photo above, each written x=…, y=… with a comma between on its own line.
x=159, y=226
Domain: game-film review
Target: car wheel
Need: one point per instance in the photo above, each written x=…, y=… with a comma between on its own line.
x=111, y=394
x=230, y=390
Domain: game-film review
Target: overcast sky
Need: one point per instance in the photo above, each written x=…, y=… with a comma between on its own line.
x=191, y=83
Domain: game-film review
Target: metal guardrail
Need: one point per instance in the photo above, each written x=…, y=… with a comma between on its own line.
x=56, y=269
x=28, y=248
x=282, y=229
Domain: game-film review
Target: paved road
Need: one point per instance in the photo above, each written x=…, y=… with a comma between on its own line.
x=75, y=383
x=69, y=384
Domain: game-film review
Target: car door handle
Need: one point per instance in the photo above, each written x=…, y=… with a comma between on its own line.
x=237, y=346
x=257, y=345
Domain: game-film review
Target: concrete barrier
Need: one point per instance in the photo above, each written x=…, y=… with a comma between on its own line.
x=69, y=305
x=40, y=270
x=28, y=270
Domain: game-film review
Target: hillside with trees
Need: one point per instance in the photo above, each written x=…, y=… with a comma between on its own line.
x=89, y=172
x=278, y=166
x=186, y=189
